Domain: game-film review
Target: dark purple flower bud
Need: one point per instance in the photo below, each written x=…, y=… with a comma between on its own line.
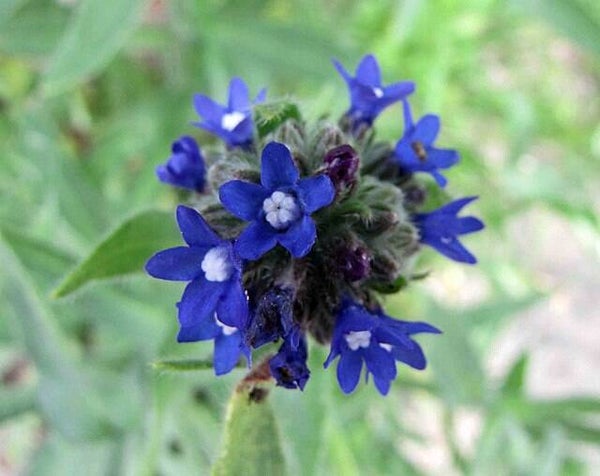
x=288, y=367
x=272, y=317
x=354, y=263
x=414, y=196
x=341, y=166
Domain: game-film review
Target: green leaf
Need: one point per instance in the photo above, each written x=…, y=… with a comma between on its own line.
x=33, y=29
x=252, y=443
x=513, y=384
x=269, y=117
x=124, y=251
x=182, y=365
x=96, y=32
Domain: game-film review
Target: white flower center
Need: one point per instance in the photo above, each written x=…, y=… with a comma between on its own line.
x=378, y=92
x=387, y=347
x=227, y=330
x=231, y=120
x=216, y=264
x=281, y=209
x=356, y=339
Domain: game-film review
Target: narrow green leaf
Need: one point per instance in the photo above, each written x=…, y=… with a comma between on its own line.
x=252, y=443
x=96, y=32
x=513, y=384
x=269, y=117
x=124, y=251
x=182, y=365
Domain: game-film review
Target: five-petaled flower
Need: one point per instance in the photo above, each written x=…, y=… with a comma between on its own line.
x=376, y=339
x=288, y=367
x=440, y=228
x=229, y=344
x=232, y=123
x=415, y=151
x=278, y=208
x=185, y=168
x=368, y=97
x=214, y=271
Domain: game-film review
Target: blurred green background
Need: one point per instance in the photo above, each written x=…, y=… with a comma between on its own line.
x=92, y=93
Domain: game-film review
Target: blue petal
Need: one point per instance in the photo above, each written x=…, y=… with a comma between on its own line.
x=333, y=353
x=450, y=247
x=398, y=91
x=204, y=330
x=177, y=264
x=383, y=385
x=227, y=352
x=342, y=71
x=439, y=178
x=208, y=109
x=232, y=308
x=194, y=229
x=348, y=370
x=238, y=95
x=261, y=96
x=413, y=357
x=380, y=362
x=442, y=158
x=186, y=145
x=465, y=225
x=408, y=120
x=243, y=199
x=368, y=72
x=277, y=167
x=315, y=192
x=255, y=240
x=455, y=206
x=426, y=130
x=300, y=237
x=199, y=301
x=419, y=327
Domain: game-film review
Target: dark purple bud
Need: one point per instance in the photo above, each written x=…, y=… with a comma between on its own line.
x=288, y=366
x=414, y=195
x=272, y=317
x=341, y=165
x=354, y=263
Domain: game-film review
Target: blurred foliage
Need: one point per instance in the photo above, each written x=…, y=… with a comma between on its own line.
x=91, y=95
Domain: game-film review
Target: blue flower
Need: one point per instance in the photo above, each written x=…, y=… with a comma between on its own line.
x=279, y=208
x=288, y=367
x=378, y=341
x=214, y=271
x=232, y=123
x=229, y=345
x=367, y=95
x=185, y=168
x=440, y=228
x=415, y=151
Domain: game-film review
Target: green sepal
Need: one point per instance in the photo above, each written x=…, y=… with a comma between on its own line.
x=391, y=287
x=268, y=117
x=187, y=365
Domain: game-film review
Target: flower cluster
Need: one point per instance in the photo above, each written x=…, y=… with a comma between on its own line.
x=299, y=229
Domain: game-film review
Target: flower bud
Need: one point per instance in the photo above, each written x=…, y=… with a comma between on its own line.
x=354, y=263
x=341, y=165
